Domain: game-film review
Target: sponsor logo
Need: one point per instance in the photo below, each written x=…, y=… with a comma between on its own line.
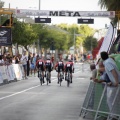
x=2, y=33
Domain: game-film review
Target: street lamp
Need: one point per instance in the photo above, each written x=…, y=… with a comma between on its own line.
x=39, y=4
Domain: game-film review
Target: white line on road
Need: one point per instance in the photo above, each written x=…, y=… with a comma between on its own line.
x=18, y=92
x=21, y=92
x=25, y=90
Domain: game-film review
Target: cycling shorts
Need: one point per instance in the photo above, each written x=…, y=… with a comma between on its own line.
x=68, y=68
x=41, y=67
x=49, y=68
x=60, y=67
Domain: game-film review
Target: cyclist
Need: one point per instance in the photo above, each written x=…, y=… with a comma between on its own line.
x=49, y=66
x=59, y=66
x=69, y=66
x=40, y=65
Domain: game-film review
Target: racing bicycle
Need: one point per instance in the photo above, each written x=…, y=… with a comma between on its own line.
x=47, y=76
x=40, y=76
x=60, y=77
x=68, y=78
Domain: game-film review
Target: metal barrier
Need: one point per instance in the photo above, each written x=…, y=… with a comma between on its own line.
x=115, y=111
x=93, y=98
x=86, y=104
x=102, y=107
x=11, y=73
x=101, y=101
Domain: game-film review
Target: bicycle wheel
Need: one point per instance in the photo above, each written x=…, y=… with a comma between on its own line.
x=47, y=78
x=41, y=81
x=60, y=81
x=68, y=81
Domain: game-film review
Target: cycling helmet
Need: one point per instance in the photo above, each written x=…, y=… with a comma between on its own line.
x=40, y=57
x=69, y=60
x=48, y=58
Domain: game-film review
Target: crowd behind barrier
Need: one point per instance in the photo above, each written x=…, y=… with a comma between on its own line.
x=12, y=72
x=96, y=103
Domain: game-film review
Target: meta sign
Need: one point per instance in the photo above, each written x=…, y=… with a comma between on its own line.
x=64, y=13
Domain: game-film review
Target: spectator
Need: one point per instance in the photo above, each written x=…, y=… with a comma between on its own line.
x=1, y=60
x=6, y=60
x=17, y=59
x=114, y=75
x=13, y=59
x=33, y=64
x=24, y=60
x=94, y=72
x=28, y=64
x=101, y=74
x=37, y=57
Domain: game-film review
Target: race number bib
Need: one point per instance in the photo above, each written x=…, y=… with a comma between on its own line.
x=48, y=61
x=68, y=65
x=60, y=63
x=40, y=63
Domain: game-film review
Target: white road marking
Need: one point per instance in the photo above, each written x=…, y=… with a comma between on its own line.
x=21, y=91
x=18, y=92
x=27, y=89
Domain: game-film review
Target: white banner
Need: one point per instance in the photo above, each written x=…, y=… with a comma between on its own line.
x=18, y=71
x=11, y=72
x=3, y=72
x=113, y=39
x=64, y=13
x=1, y=77
x=108, y=40
x=7, y=73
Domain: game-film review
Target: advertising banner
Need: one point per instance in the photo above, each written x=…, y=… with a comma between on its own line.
x=11, y=72
x=64, y=13
x=5, y=36
x=106, y=44
x=108, y=40
x=18, y=72
x=3, y=72
x=1, y=77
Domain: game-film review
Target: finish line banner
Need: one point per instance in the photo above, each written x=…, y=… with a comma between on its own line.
x=26, y=12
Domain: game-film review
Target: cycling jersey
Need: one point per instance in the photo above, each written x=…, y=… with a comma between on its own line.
x=69, y=66
x=48, y=65
x=40, y=64
x=60, y=65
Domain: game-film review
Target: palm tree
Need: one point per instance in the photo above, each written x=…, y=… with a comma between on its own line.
x=111, y=5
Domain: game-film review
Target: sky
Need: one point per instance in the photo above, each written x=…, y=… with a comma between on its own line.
x=74, y=5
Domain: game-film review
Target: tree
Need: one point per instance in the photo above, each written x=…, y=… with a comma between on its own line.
x=82, y=31
x=23, y=34
x=48, y=34
x=90, y=43
x=112, y=5
x=1, y=4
